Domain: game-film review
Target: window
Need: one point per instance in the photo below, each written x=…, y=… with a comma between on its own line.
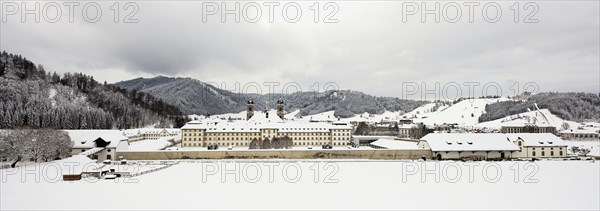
x=543, y=153
x=551, y=153
x=560, y=153
x=533, y=153
x=108, y=157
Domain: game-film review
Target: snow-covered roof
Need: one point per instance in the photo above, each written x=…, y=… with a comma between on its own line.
x=249, y=126
x=135, y=132
x=148, y=145
x=536, y=139
x=86, y=138
x=579, y=131
x=407, y=126
x=91, y=151
x=469, y=142
x=395, y=144
x=262, y=117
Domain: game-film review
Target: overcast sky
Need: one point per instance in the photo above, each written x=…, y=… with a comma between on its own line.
x=370, y=49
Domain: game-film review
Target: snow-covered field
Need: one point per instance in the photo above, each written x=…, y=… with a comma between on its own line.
x=319, y=184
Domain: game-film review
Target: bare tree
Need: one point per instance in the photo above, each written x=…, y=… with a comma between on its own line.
x=574, y=149
x=584, y=151
x=255, y=144
x=43, y=144
x=266, y=143
x=276, y=143
x=287, y=142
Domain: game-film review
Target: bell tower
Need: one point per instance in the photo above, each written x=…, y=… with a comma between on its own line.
x=280, y=111
x=250, y=109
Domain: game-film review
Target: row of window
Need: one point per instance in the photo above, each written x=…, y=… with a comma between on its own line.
x=246, y=144
x=560, y=153
x=256, y=134
x=250, y=138
x=551, y=148
x=575, y=135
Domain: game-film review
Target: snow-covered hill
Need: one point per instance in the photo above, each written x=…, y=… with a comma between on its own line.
x=464, y=113
x=195, y=97
x=541, y=117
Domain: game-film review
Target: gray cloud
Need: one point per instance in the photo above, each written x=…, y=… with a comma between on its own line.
x=370, y=49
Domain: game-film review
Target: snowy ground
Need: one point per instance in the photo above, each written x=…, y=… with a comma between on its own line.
x=312, y=184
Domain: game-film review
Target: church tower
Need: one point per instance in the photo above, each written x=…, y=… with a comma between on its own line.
x=280, y=111
x=250, y=110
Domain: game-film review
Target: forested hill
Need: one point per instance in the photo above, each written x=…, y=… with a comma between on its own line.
x=195, y=97
x=569, y=106
x=30, y=97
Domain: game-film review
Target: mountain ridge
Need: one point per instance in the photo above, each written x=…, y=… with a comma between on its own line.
x=193, y=96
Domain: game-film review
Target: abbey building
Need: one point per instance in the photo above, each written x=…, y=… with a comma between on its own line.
x=261, y=125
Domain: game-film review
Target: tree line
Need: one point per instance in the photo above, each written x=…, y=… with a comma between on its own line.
x=34, y=145
x=32, y=97
x=274, y=143
x=568, y=106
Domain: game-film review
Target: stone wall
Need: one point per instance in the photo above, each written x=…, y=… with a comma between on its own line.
x=279, y=154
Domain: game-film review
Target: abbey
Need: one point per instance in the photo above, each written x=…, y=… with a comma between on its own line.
x=261, y=125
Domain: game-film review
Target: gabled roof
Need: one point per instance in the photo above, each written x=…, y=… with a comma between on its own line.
x=469, y=142
x=260, y=116
x=537, y=139
x=85, y=138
